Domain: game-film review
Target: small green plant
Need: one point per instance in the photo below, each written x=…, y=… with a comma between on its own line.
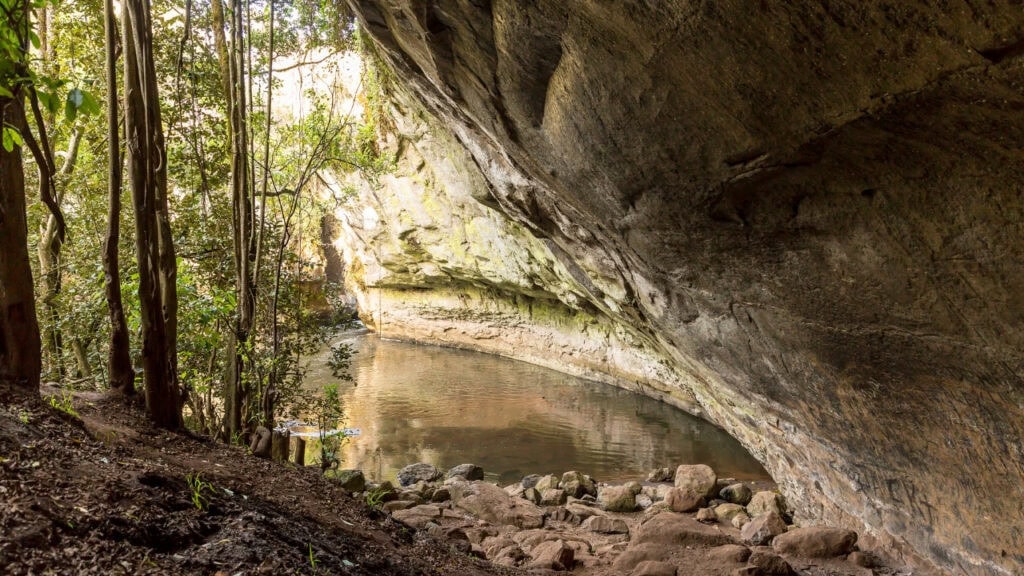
x=313, y=562
x=375, y=498
x=198, y=487
x=329, y=416
x=340, y=361
x=63, y=403
x=23, y=416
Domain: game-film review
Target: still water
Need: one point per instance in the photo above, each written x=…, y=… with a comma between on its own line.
x=416, y=403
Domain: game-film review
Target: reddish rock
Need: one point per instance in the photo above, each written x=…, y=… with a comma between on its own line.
x=552, y=554
x=683, y=500
x=762, y=529
x=816, y=542
x=698, y=478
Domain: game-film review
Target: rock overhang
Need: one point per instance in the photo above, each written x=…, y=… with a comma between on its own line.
x=811, y=212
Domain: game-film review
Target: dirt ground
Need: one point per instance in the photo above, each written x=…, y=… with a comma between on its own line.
x=106, y=493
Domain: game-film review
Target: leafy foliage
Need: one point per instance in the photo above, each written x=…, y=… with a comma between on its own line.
x=63, y=403
x=316, y=136
x=198, y=489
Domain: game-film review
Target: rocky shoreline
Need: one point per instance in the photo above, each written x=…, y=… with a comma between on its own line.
x=676, y=522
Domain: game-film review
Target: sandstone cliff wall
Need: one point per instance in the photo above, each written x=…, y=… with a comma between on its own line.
x=804, y=222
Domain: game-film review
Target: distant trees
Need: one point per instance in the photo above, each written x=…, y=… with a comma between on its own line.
x=215, y=311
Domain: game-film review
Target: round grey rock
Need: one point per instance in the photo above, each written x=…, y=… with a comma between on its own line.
x=467, y=471
x=414, y=473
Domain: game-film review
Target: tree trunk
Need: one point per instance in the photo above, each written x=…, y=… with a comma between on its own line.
x=119, y=362
x=20, y=359
x=242, y=226
x=81, y=358
x=154, y=249
x=51, y=275
x=300, y=451
x=280, y=445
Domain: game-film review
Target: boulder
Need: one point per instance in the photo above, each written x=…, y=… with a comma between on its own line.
x=385, y=491
x=657, y=491
x=552, y=554
x=653, y=568
x=816, y=542
x=605, y=525
x=683, y=500
x=348, y=480
x=862, y=559
x=515, y=490
x=415, y=472
x=736, y=494
x=582, y=511
x=396, y=505
x=467, y=471
x=740, y=520
x=578, y=485
x=442, y=494
x=562, y=514
x=661, y=475
x=503, y=551
x=643, y=501
x=532, y=494
x=530, y=481
x=418, y=516
x=696, y=477
x=769, y=564
x=706, y=516
x=762, y=529
x=617, y=498
x=423, y=489
x=727, y=553
x=552, y=497
x=412, y=496
x=547, y=482
x=726, y=512
x=491, y=503
x=638, y=553
x=764, y=502
x=670, y=529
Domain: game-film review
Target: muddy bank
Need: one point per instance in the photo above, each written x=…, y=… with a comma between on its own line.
x=105, y=493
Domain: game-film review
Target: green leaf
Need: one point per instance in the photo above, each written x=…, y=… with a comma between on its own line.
x=89, y=104
x=6, y=93
x=11, y=138
x=73, y=103
x=34, y=38
x=49, y=101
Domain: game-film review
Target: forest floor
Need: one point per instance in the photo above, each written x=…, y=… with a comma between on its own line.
x=104, y=492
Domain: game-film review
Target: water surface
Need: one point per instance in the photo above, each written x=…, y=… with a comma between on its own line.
x=416, y=403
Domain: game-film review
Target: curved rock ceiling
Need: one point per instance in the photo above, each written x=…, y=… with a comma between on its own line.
x=812, y=213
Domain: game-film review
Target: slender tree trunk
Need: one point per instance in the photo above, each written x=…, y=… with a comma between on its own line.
x=119, y=363
x=20, y=360
x=154, y=249
x=81, y=350
x=221, y=46
x=242, y=225
x=51, y=275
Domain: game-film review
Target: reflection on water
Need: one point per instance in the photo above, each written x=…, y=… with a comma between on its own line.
x=418, y=403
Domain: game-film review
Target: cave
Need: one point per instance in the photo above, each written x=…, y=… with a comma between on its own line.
x=801, y=221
